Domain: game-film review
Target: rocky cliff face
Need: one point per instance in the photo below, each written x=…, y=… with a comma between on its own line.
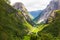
x=53, y=5
x=24, y=12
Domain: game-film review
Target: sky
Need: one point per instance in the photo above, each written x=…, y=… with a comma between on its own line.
x=33, y=5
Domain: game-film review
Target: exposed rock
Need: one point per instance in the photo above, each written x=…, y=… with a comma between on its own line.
x=21, y=7
x=48, y=11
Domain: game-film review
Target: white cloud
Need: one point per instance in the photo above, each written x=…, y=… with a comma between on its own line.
x=32, y=5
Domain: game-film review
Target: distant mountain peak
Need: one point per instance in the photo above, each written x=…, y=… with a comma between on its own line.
x=35, y=13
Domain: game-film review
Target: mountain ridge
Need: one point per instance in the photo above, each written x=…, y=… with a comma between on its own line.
x=20, y=6
x=53, y=5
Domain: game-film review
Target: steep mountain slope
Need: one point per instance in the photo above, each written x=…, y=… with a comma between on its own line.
x=25, y=13
x=52, y=31
x=13, y=25
x=53, y=5
x=30, y=16
x=20, y=6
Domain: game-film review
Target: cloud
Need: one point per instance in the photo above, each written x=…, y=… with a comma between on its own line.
x=32, y=5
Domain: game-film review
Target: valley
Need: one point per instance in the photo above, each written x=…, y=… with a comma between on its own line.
x=17, y=24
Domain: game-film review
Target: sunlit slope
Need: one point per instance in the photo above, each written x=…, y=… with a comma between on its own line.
x=52, y=31
x=13, y=26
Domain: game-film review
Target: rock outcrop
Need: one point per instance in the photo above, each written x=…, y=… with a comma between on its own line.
x=46, y=13
x=25, y=13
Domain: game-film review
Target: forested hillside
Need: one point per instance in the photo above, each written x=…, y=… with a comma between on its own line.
x=13, y=26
